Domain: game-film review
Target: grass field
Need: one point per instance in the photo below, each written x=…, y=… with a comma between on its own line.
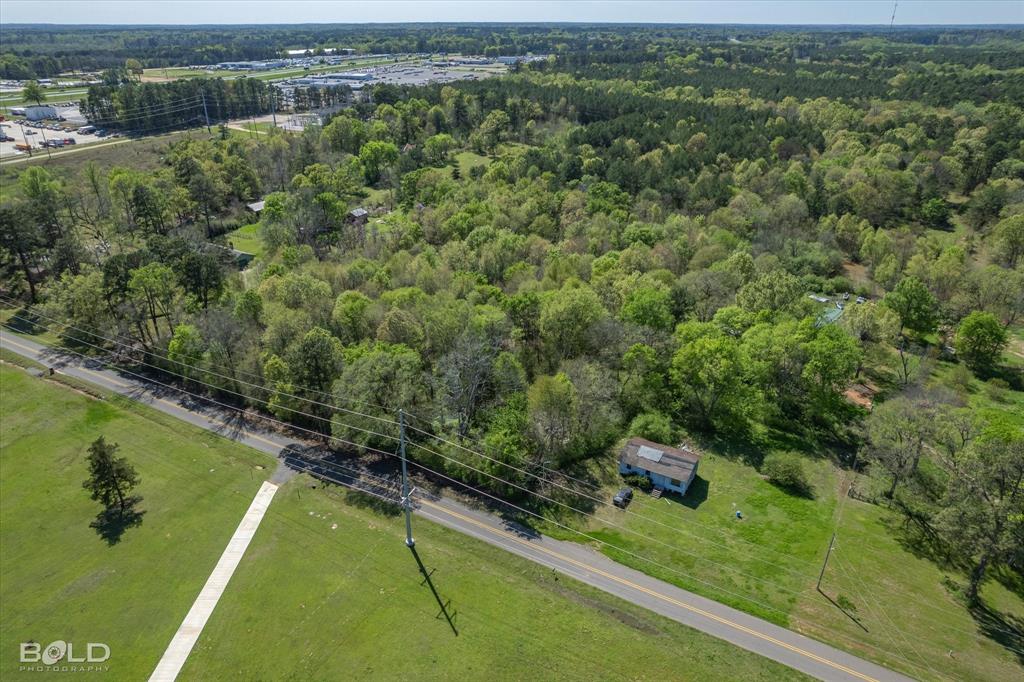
x=143, y=154
x=60, y=578
x=759, y=563
x=906, y=606
x=326, y=585
x=911, y=620
x=467, y=160
x=259, y=128
x=346, y=598
x=16, y=100
x=247, y=238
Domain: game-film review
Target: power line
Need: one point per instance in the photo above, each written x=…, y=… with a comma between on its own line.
x=457, y=482
x=140, y=113
x=298, y=524
x=479, y=471
x=424, y=448
x=460, y=483
x=839, y=515
x=321, y=435
x=541, y=479
x=871, y=605
x=851, y=574
x=857, y=643
x=627, y=511
x=484, y=473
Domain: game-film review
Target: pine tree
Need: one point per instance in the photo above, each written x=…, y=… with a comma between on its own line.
x=111, y=478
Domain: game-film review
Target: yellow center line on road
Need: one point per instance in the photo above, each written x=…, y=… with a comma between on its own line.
x=545, y=550
x=122, y=384
x=657, y=595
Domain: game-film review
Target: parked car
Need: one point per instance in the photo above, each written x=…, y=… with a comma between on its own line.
x=31, y=132
x=6, y=138
x=623, y=497
x=69, y=140
x=861, y=299
x=101, y=133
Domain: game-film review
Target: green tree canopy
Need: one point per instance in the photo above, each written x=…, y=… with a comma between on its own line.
x=915, y=304
x=980, y=340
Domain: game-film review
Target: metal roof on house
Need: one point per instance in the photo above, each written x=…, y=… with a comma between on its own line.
x=256, y=206
x=677, y=463
x=358, y=212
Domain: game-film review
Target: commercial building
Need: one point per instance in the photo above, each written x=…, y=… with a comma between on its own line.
x=40, y=112
x=253, y=66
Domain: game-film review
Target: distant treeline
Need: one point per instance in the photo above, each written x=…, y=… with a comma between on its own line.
x=149, y=107
x=45, y=51
x=776, y=75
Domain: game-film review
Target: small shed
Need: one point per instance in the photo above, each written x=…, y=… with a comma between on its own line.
x=358, y=216
x=667, y=467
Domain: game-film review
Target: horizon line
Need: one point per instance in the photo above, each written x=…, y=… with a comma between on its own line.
x=513, y=23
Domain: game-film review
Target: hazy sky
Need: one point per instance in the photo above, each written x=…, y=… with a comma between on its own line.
x=640, y=11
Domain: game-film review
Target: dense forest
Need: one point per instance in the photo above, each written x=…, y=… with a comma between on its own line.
x=622, y=240
x=45, y=51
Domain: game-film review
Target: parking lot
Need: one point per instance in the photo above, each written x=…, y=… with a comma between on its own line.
x=26, y=134
x=421, y=74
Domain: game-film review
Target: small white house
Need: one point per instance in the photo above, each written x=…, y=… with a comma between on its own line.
x=667, y=467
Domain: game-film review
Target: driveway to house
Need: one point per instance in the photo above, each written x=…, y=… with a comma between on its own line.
x=569, y=558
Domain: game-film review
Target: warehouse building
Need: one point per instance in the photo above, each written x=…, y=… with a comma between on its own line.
x=40, y=113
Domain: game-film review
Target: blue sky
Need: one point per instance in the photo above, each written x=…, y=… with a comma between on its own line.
x=643, y=11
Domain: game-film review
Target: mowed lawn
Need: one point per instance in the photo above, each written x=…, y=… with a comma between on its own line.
x=247, y=239
x=58, y=578
x=328, y=590
x=911, y=620
x=760, y=563
x=309, y=600
x=908, y=617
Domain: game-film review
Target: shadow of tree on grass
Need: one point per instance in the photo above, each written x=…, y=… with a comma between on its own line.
x=1004, y=628
x=110, y=524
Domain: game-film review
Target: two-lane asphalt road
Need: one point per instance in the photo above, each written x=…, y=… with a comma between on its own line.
x=572, y=559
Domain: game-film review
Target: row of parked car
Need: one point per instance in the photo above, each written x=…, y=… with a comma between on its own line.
x=93, y=130
x=58, y=142
x=84, y=130
x=44, y=124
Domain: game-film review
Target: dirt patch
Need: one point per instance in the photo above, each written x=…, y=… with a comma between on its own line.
x=856, y=273
x=862, y=394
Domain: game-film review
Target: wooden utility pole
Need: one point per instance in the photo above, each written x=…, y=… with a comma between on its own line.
x=406, y=500
x=206, y=114
x=824, y=563
x=25, y=137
